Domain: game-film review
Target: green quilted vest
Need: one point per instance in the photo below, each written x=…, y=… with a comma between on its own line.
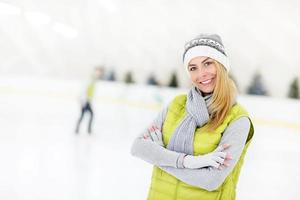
x=167, y=187
x=90, y=90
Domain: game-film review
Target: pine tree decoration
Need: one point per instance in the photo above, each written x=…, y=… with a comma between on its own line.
x=152, y=80
x=128, y=78
x=173, y=81
x=294, y=89
x=111, y=76
x=257, y=87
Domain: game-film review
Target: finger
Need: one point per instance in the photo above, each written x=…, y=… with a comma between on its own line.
x=157, y=128
x=219, y=148
x=228, y=157
x=159, y=137
x=215, y=164
x=153, y=136
x=150, y=136
x=226, y=160
x=159, y=134
x=146, y=136
x=156, y=135
x=226, y=163
x=220, y=154
x=151, y=129
x=225, y=146
x=154, y=127
x=219, y=160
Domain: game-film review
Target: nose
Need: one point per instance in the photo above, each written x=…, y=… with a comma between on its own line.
x=202, y=73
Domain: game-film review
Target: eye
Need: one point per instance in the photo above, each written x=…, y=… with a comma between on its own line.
x=206, y=64
x=192, y=68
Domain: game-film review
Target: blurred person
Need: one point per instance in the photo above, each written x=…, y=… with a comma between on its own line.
x=257, y=87
x=197, y=144
x=86, y=99
x=152, y=80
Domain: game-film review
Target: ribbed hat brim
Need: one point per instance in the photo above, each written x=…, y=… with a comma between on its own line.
x=208, y=52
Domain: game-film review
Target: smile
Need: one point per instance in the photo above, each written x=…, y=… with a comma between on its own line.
x=206, y=82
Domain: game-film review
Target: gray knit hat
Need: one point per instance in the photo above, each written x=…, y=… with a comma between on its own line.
x=209, y=45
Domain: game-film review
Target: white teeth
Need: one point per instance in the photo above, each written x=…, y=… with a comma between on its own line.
x=206, y=82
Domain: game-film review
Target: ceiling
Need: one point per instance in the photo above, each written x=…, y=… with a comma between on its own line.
x=67, y=37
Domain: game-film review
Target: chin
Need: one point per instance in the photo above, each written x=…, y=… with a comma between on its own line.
x=205, y=90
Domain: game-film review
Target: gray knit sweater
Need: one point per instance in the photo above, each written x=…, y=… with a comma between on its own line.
x=172, y=162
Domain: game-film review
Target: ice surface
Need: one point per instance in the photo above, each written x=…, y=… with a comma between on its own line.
x=42, y=158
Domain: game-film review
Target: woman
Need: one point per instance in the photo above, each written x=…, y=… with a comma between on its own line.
x=198, y=143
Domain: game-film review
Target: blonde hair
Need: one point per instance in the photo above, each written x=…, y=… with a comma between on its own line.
x=223, y=97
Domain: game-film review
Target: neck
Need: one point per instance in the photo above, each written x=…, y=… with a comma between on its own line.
x=206, y=94
x=203, y=93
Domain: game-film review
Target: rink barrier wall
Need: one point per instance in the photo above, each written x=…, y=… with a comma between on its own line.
x=154, y=98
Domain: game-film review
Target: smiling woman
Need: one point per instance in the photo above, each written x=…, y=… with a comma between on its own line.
x=198, y=143
x=208, y=66
x=203, y=73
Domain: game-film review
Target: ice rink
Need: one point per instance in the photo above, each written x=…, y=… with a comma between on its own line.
x=43, y=159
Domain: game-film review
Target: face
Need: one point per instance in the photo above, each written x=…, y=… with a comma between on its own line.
x=203, y=73
x=98, y=73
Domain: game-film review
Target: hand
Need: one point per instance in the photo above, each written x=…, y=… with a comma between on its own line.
x=227, y=158
x=213, y=159
x=154, y=134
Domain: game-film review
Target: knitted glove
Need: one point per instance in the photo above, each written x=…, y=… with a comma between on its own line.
x=154, y=134
x=213, y=159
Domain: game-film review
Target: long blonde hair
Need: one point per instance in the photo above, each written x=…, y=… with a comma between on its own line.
x=223, y=97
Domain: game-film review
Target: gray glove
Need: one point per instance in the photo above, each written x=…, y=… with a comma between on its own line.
x=213, y=159
x=154, y=134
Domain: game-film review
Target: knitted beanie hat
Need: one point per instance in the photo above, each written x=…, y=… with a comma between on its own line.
x=209, y=45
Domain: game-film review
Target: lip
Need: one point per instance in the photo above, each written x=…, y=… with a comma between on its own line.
x=207, y=81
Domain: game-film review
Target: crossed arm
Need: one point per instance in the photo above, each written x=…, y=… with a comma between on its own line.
x=153, y=153
x=209, y=178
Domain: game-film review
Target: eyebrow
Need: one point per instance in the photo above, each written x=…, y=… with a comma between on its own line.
x=201, y=62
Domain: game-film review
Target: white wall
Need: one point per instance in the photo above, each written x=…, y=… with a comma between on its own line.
x=147, y=36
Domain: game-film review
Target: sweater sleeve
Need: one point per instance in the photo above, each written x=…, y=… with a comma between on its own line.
x=210, y=178
x=153, y=153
